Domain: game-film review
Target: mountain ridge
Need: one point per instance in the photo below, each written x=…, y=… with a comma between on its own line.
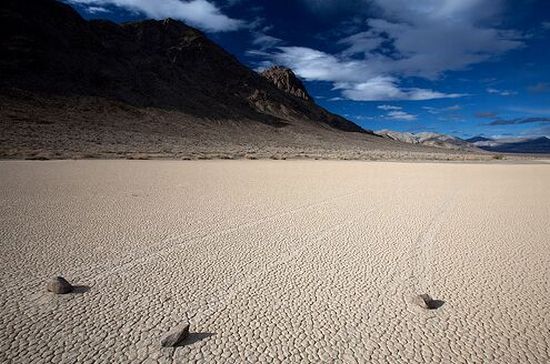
x=428, y=139
x=48, y=47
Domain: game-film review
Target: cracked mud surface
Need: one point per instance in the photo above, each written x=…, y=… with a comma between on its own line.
x=275, y=261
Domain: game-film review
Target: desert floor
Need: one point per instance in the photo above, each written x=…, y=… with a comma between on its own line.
x=275, y=261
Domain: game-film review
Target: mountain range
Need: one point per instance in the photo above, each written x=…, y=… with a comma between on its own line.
x=537, y=145
x=76, y=88
x=428, y=139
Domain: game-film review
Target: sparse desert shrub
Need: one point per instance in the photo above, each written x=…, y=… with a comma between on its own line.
x=498, y=156
x=137, y=157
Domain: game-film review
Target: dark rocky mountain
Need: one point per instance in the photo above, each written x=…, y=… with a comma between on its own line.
x=287, y=81
x=47, y=47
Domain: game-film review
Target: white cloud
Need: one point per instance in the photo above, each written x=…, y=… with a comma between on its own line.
x=265, y=41
x=400, y=115
x=501, y=92
x=389, y=107
x=260, y=38
x=386, y=88
x=356, y=80
x=315, y=65
x=97, y=10
x=405, y=39
x=200, y=13
x=363, y=42
x=442, y=10
x=427, y=48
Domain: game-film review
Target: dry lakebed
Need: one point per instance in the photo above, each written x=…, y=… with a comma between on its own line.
x=275, y=261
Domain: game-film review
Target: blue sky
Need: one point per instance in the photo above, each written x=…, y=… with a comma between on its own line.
x=460, y=67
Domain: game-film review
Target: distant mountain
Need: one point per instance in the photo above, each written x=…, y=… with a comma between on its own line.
x=428, y=139
x=519, y=145
x=477, y=139
x=502, y=145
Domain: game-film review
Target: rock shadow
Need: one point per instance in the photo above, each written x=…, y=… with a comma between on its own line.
x=80, y=289
x=435, y=304
x=195, y=337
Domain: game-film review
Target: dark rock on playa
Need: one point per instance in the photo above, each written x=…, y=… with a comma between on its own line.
x=176, y=337
x=428, y=303
x=59, y=285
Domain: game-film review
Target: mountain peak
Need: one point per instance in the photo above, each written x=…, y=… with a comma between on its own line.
x=287, y=81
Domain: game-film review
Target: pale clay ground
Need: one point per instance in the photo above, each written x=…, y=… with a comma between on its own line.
x=275, y=261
